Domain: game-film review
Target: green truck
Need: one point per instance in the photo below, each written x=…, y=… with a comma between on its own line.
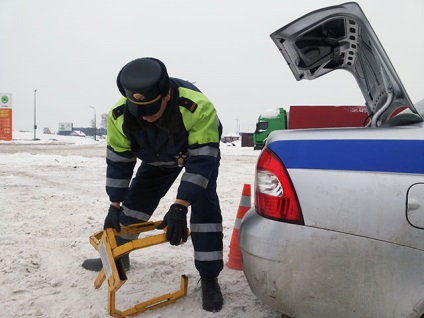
x=268, y=121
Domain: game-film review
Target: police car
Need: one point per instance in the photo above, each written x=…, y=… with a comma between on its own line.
x=337, y=228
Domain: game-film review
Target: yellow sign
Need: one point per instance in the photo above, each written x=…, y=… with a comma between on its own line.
x=5, y=124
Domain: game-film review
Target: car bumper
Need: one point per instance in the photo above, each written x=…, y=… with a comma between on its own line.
x=304, y=271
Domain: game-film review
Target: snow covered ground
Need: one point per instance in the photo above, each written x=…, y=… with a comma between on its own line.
x=53, y=198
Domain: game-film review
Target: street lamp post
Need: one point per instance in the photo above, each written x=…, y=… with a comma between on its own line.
x=35, y=114
x=238, y=126
x=95, y=124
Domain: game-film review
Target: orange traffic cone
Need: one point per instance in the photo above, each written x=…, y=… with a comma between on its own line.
x=234, y=256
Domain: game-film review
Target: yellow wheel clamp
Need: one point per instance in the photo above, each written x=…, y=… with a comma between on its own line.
x=113, y=269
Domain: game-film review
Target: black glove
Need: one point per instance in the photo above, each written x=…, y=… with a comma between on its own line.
x=112, y=218
x=176, y=221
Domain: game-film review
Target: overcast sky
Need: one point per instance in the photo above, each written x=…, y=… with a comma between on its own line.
x=71, y=52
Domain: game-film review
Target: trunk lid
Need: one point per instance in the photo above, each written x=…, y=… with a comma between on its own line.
x=340, y=37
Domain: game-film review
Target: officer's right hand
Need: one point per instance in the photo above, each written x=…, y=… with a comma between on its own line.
x=112, y=218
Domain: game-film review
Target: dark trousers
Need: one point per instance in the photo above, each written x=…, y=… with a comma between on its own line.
x=151, y=184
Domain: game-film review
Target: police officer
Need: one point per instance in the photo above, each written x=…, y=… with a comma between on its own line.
x=169, y=125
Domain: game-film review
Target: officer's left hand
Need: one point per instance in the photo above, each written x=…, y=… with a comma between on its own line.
x=176, y=220
x=112, y=218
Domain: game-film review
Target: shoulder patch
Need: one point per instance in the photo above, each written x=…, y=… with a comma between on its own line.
x=187, y=103
x=118, y=111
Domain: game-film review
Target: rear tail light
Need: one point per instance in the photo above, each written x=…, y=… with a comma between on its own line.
x=275, y=197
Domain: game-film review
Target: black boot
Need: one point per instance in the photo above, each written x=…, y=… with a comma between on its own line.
x=211, y=294
x=96, y=265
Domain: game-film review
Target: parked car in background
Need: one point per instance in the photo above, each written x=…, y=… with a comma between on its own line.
x=337, y=227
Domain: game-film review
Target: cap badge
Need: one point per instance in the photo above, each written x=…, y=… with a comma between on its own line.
x=138, y=96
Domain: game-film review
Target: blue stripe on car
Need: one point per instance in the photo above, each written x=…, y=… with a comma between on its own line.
x=396, y=156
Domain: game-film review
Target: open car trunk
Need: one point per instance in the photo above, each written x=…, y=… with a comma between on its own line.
x=340, y=37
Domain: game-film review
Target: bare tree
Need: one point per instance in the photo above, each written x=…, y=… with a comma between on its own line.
x=103, y=121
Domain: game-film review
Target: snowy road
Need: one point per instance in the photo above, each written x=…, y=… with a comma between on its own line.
x=52, y=199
